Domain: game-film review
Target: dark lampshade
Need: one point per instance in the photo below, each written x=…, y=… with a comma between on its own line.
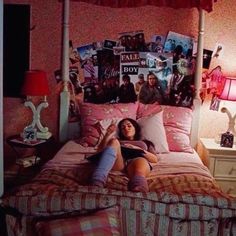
x=229, y=90
x=35, y=83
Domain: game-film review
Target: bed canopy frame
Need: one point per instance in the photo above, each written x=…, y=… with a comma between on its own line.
x=202, y=5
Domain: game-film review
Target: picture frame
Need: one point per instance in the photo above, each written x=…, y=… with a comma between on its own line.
x=227, y=140
x=29, y=134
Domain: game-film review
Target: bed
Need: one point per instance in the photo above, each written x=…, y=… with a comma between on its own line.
x=184, y=199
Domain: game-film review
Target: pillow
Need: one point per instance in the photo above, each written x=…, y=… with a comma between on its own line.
x=152, y=129
x=103, y=222
x=91, y=114
x=177, y=123
x=147, y=109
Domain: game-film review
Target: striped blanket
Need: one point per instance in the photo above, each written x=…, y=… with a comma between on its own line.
x=182, y=201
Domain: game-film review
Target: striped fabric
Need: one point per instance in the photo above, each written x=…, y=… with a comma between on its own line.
x=182, y=201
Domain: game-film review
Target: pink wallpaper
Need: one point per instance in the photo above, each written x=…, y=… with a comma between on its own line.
x=90, y=23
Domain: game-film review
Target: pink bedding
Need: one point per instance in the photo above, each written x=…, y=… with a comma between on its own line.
x=183, y=196
x=172, y=166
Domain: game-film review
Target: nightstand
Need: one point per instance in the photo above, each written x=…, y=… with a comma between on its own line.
x=221, y=163
x=17, y=143
x=27, y=166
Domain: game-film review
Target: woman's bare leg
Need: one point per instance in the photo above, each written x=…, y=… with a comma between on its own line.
x=137, y=171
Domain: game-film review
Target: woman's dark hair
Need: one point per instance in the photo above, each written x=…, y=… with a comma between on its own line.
x=137, y=128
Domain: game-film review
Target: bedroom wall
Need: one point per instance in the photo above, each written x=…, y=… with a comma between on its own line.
x=91, y=23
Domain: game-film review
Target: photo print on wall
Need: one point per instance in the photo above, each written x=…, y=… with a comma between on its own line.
x=133, y=41
x=156, y=44
x=106, y=63
x=179, y=42
x=88, y=60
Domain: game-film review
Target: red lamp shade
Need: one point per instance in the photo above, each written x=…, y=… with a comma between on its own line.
x=229, y=90
x=35, y=83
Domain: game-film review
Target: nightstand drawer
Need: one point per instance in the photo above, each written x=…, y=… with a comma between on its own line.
x=225, y=168
x=227, y=186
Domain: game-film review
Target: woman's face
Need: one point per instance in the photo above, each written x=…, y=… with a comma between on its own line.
x=127, y=129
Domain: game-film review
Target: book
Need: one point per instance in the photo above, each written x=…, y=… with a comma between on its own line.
x=28, y=161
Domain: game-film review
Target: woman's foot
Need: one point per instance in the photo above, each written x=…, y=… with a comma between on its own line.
x=97, y=183
x=138, y=184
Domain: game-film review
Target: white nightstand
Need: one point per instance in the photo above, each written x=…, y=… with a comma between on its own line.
x=221, y=163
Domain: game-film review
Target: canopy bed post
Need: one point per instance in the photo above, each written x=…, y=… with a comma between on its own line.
x=65, y=95
x=1, y=98
x=197, y=80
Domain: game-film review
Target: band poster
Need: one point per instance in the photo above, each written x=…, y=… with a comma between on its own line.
x=97, y=68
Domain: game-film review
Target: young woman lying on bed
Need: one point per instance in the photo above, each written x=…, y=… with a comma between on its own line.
x=128, y=153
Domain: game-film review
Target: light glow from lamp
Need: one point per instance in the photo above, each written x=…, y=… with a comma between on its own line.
x=229, y=93
x=36, y=84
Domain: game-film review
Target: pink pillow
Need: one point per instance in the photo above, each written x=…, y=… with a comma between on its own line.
x=92, y=114
x=147, y=109
x=103, y=222
x=177, y=123
x=152, y=129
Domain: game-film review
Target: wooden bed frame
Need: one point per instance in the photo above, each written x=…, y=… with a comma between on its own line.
x=64, y=95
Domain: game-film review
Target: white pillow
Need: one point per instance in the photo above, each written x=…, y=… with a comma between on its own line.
x=152, y=129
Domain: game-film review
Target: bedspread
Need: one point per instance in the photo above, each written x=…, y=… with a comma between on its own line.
x=60, y=189
x=183, y=197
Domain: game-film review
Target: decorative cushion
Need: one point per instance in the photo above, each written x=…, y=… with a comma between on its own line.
x=177, y=123
x=147, y=109
x=102, y=222
x=152, y=129
x=91, y=114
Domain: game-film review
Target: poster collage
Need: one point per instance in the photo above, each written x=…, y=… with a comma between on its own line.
x=107, y=65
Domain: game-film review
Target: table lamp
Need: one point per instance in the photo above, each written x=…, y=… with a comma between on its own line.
x=229, y=93
x=36, y=84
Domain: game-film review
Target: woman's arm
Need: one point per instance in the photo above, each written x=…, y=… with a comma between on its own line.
x=150, y=157
x=108, y=135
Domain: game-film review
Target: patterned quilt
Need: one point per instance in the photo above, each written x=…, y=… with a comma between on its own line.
x=181, y=201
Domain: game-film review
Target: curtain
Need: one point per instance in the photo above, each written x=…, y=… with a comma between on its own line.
x=204, y=4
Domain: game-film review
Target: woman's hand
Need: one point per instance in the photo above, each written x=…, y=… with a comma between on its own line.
x=150, y=157
x=108, y=135
x=111, y=128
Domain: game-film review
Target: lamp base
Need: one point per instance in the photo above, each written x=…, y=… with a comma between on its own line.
x=44, y=135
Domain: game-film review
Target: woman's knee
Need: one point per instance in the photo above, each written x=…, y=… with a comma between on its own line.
x=114, y=143
x=139, y=166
